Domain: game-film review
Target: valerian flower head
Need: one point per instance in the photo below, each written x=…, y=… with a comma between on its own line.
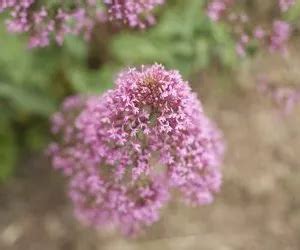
x=280, y=35
x=125, y=151
x=216, y=8
x=44, y=20
x=285, y=5
x=135, y=13
x=273, y=34
x=284, y=97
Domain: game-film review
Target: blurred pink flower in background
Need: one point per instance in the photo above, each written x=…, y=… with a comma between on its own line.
x=285, y=98
x=135, y=13
x=286, y=4
x=34, y=18
x=280, y=35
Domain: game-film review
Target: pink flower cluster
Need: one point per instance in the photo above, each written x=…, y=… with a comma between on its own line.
x=280, y=36
x=285, y=5
x=41, y=22
x=217, y=8
x=45, y=20
x=125, y=151
x=285, y=98
x=274, y=37
x=135, y=13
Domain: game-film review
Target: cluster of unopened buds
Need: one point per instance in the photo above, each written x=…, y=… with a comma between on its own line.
x=274, y=36
x=129, y=150
x=285, y=98
x=43, y=20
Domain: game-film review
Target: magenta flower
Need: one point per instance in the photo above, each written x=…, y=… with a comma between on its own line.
x=259, y=33
x=135, y=13
x=124, y=152
x=272, y=35
x=284, y=97
x=34, y=18
x=217, y=8
x=285, y=5
x=280, y=35
x=43, y=21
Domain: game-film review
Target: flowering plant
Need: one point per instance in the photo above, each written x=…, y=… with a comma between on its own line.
x=248, y=31
x=59, y=18
x=125, y=151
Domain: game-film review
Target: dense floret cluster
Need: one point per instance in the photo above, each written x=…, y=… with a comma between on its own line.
x=274, y=35
x=135, y=13
x=125, y=151
x=44, y=20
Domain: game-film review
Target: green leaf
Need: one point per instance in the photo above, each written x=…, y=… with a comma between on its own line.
x=202, y=53
x=26, y=100
x=91, y=81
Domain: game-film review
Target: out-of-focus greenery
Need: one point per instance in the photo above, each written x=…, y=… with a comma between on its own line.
x=293, y=16
x=184, y=38
x=34, y=82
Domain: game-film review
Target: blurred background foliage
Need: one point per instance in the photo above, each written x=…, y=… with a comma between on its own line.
x=184, y=38
x=34, y=82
